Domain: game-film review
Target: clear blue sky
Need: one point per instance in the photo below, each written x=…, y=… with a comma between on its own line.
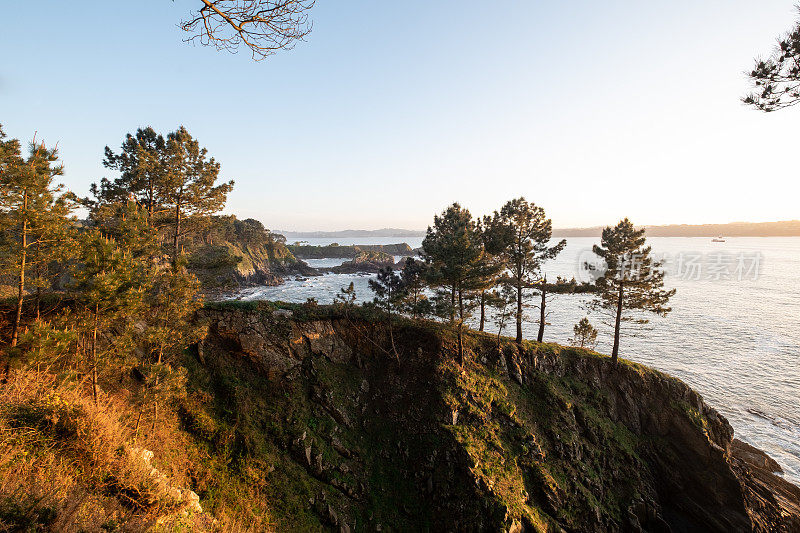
x=392, y=110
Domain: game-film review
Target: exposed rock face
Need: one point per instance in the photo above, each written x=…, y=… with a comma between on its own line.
x=539, y=439
x=695, y=483
x=370, y=261
x=231, y=254
x=772, y=502
x=226, y=266
x=274, y=343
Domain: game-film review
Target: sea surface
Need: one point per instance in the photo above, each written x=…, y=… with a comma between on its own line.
x=733, y=333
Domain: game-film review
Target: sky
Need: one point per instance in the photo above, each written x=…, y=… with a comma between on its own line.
x=390, y=111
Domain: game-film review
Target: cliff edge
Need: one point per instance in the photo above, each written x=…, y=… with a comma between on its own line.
x=339, y=431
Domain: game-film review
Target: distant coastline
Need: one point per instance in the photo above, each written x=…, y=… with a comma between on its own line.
x=786, y=228
x=385, y=232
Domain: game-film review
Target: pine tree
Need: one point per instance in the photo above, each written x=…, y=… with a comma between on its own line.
x=172, y=303
x=502, y=300
x=142, y=168
x=453, y=249
x=172, y=179
x=165, y=304
x=632, y=281
x=128, y=223
x=34, y=216
x=346, y=297
x=529, y=248
x=9, y=151
x=545, y=290
x=777, y=79
x=112, y=278
x=11, y=162
x=496, y=238
x=189, y=187
x=108, y=290
x=413, y=275
x=584, y=334
x=389, y=293
x=454, y=252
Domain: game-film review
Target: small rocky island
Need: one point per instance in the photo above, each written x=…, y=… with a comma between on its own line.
x=307, y=251
x=361, y=258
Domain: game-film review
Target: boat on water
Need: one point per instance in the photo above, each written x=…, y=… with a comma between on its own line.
x=718, y=239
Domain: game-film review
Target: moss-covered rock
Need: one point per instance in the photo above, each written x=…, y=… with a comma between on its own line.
x=341, y=432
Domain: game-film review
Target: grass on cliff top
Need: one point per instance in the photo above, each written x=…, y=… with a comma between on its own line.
x=523, y=439
x=309, y=311
x=66, y=463
x=482, y=407
x=314, y=311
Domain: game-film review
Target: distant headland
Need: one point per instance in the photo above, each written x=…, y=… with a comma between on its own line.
x=353, y=233
x=786, y=228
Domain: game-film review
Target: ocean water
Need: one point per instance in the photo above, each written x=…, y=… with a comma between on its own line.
x=733, y=334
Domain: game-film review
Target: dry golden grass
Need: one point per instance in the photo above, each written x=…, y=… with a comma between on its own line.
x=65, y=464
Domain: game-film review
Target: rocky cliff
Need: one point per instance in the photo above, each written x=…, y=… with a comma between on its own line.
x=336, y=430
x=232, y=253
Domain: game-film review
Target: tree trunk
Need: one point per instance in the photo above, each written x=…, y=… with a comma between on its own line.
x=138, y=420
x=460, y=357
x=150, y=202
x=460, y=305
x=176, y=238
x=94, y=353
x=38, y=272
x=21, y=289
x=38, y=303
x=519, y=312
x=500, y=328
x=391, y=332
x=155, y=386
x=615, y=351
x=542, y=306
x=453, y=303
x=483, y=310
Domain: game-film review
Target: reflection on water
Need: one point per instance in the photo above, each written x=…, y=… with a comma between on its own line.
x=736, y=342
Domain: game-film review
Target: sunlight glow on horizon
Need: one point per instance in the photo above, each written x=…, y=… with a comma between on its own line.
x=382, y=120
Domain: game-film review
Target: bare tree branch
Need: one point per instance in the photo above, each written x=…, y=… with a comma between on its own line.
x=263, y=26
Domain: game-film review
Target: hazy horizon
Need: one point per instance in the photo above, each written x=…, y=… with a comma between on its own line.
x=595, y=112
x=555, y=227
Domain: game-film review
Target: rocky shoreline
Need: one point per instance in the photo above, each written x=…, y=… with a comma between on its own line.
x=263, y=274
